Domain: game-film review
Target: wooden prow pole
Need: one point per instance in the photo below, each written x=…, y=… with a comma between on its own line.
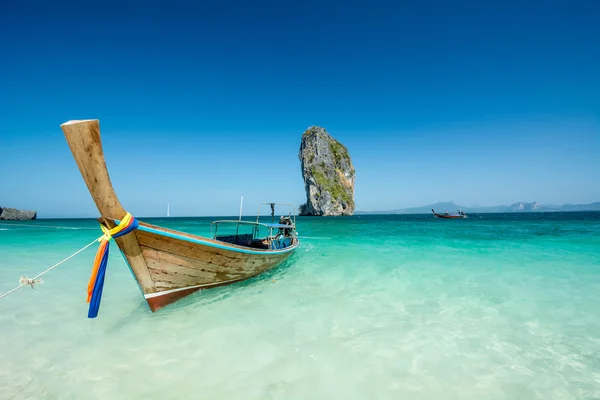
x=83, y=138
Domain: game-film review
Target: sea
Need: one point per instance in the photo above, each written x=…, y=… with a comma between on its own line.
x=495, y=306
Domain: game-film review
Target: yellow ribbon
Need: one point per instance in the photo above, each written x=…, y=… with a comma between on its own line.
x=108, y=233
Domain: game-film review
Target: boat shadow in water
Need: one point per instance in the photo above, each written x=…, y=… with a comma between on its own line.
x=201, y=298
x=249, y=287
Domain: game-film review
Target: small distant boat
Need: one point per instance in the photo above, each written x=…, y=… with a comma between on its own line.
x=168, y=210
x=167, y=264
x=458, y=215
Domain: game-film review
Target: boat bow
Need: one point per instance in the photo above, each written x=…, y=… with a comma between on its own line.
x=167, y=264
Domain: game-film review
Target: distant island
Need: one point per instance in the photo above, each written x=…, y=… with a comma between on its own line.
x=516, y=207
x=13, y=214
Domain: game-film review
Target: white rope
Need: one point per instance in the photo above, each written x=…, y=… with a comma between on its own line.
x=35, y=280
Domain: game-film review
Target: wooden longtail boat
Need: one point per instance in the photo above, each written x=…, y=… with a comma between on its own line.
x=169, y=264
x=460, y=215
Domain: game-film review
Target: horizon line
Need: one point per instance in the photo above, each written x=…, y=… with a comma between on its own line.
x=235, y=217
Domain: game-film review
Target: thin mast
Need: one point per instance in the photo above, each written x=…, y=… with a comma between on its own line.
x=241, y=204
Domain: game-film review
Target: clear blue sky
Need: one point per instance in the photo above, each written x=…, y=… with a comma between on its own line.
x=479, y=102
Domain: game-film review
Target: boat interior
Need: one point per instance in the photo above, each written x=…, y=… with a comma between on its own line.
x=258, y=235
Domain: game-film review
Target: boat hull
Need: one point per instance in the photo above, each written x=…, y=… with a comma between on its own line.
x=180, y=264
x=460, y=215
x=450, y=216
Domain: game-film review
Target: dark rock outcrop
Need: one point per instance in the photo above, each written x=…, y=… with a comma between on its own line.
x=12, y=214
x=328, y=174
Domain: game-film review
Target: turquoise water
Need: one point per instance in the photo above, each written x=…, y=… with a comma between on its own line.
x=385, y=307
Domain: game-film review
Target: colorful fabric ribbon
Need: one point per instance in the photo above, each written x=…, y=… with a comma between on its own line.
x=96, y=283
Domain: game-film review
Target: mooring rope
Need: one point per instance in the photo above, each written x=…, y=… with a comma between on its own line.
x=96, y=283
x=36, y=279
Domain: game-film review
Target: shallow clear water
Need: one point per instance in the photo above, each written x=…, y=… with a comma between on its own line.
x=386, y=307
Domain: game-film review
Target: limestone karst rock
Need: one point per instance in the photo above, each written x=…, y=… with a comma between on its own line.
x=328, y=174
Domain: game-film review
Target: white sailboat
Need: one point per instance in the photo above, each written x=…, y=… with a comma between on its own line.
x=168, y=210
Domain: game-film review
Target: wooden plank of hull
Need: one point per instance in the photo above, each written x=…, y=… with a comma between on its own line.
x=168, y=298
x=179, y=267
x=162, y=299
x=233, y=260
x=188, y=266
